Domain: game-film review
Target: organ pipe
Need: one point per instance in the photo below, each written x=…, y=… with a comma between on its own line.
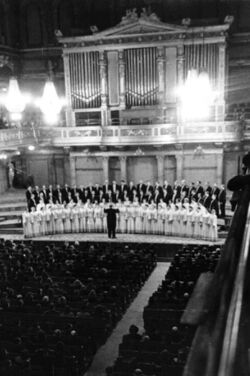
x=140, y=76
x=202, y=56
x=85, y=80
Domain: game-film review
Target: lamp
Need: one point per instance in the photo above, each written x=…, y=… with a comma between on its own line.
x=14, y=101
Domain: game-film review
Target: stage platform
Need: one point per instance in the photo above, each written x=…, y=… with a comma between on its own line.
x=165, y=247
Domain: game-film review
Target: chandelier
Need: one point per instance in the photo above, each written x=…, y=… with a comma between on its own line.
x=50, y=104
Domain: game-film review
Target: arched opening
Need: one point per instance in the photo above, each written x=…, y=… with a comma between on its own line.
x=65, y=17
x=2, y=26
x=33, y=25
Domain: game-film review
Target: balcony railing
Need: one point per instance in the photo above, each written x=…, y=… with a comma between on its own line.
x=122, y=135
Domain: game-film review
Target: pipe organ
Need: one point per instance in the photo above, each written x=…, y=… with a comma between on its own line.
x=202, y=57
x=141, y=76
x=85, y=80
x=132, y=70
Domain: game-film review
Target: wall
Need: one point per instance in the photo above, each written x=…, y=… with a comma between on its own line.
x=141, y=168
x=114, y=169
x=202, y=168
x=89, y=170
x=170, y=169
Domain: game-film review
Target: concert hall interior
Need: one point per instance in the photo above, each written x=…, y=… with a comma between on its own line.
x=122, y=250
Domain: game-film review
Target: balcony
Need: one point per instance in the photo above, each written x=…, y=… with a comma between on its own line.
x=147, y=134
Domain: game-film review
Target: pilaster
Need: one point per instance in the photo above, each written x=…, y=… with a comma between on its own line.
x=105, y=167
x=161, y=76
x=72, y=162
x=179, y=166
x=123, y=162
x=160, y=168
x=220, y=106
x=70, y=118
x=219, y=168
x=180, y=74
x=104, y=92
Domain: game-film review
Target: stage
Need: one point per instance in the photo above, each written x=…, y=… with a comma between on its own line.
x=164, y=246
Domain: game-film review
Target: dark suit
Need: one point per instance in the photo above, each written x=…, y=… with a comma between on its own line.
x=207, y=202
x=222, y=202
x=111, y=221
x=214, y=205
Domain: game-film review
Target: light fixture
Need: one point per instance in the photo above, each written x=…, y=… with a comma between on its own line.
x=14, y=100
x=139, y=151
x=3, y=156
x=50, y=104
x=31, y=147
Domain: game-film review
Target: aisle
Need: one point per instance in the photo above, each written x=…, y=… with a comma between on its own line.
x=108, y=353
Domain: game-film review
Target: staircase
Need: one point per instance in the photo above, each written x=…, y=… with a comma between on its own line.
x=12, y=205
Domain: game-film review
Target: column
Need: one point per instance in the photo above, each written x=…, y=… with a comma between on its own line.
x=70, y=118
x=179, y=167
x=161, y=76
x=180, y=76
x=105, y=167
x=72, y=163
x=123, y=162
x=122, y=79
x=219, y=168
x=104, y=92
x=220, y=107
x=160, y=168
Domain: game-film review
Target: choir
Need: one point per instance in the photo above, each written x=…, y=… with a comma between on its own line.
x=181, y=210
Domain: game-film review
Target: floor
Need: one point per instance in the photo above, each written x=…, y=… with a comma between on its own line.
x=108, y=353
x=129, y=238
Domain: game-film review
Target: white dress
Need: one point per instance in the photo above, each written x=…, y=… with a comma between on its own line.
x=43, y=227
x=123, y=220
x=144, y=218
x=183, y=222
x=37, y=223
x=138, y=219
x=90, y=219
x=154, y=221
x=190, y=225
x=27, y=228
x=75, y=220
x=131, y=220
x=161, y=221
x=59, y=221
x=98, y=218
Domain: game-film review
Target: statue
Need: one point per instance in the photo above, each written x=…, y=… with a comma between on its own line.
x=131, y=16
x=11, y=173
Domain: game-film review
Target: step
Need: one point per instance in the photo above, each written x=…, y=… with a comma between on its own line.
x=22, y=206
x=11, y=214
x=11, y=223
x=10, y=231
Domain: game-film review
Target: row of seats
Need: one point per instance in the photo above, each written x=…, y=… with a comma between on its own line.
x=59, y=303
x=163, y=347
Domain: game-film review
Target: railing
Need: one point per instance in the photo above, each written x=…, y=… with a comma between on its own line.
x=121, y=135
x=220, y=346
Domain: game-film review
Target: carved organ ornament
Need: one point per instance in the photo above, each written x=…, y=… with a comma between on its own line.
x=127, y=66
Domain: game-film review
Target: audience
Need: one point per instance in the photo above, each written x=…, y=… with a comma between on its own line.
x=58, y=304
x=163, y=347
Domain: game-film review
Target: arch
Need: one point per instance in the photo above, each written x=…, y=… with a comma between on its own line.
x=3, y=33
x=65, y=17
x=33, y=25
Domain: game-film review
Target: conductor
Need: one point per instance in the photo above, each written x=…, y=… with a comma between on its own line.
x=111, y=220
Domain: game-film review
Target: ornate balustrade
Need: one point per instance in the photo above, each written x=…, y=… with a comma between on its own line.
x=122, y=135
